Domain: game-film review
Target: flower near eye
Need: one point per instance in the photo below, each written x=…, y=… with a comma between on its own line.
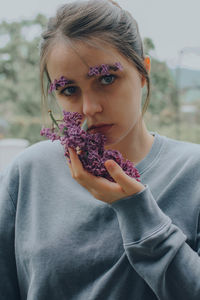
x=94, y=71
x=119, y=66
x=56, y=83
x=104, y=69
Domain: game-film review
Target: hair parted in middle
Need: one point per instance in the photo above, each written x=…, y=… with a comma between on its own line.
x=94, y=22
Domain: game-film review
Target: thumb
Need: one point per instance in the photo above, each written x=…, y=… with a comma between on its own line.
x=128, y=184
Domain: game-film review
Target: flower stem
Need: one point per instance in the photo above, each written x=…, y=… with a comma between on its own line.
x=53, y=119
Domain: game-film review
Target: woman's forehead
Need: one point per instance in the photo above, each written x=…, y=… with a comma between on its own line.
x=83, y=58
x=82, y=52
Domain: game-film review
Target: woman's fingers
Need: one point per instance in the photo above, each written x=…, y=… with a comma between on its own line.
x=100, y=187
x=84, y=177
x=72, y=155
x=70, y=167
x=128, y=184
x=77, y=169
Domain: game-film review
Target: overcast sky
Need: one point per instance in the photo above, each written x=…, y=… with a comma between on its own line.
x=173, y=25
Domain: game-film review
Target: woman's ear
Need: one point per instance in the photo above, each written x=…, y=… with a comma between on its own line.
x=147, y=63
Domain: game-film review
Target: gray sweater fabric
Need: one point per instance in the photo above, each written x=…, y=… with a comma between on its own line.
x=57, y=242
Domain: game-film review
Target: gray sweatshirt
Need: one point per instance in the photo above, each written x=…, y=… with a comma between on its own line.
x=57, y=242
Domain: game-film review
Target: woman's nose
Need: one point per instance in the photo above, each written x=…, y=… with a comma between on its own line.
x=91, y=104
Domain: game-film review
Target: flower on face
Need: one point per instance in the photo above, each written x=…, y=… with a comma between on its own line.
x=118, y=66
x=56, y=83
x=89, y=147
x=93, y=71
x=104, y=69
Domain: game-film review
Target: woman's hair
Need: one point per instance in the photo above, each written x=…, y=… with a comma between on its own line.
x=103, y=20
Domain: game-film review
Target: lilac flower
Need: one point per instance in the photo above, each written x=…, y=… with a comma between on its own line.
x=56, y=83
x=96, y=70
x=105, y=69
x=89, y=147
x=119, y=66
x=49, y=133
x=93, y=71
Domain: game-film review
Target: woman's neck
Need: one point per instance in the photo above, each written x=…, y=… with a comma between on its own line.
x=136, y=145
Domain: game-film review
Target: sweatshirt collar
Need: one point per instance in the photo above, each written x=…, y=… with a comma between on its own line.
x=153, y=154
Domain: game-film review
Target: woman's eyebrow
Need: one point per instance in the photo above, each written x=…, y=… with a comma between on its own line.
x=63, y=81
x=104, y=69
x=96, y=70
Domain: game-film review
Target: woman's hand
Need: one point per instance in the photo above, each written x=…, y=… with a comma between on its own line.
x=101, y=188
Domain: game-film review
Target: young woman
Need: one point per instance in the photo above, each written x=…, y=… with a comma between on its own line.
x=66, y=234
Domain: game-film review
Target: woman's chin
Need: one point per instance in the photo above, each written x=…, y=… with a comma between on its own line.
x=113, y=139
x=111, y=143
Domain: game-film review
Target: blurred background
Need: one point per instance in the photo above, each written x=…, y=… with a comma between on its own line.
x=170, y=31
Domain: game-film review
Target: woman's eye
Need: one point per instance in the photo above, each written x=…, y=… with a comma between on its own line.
x=107, y=79
x=69, y=91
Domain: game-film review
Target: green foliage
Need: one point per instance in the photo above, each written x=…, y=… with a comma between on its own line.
x=162, y=82
x=148, y=45
x=20, y=98
x=19, y=69
x=162, y=87
x=26, y=129
x=19, y=73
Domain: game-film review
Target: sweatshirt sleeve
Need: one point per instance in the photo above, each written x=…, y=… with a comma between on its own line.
x=157, y=249
x=8, y=283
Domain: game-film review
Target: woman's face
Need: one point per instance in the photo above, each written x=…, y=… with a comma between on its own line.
x=113, y=99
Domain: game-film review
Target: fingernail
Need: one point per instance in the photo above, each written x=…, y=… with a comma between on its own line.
x=70, y=151
x=110, y=165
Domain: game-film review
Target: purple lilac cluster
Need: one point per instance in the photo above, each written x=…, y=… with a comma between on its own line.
x=89, y=147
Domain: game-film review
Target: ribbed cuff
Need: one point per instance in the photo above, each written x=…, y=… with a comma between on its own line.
x=139, y=216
